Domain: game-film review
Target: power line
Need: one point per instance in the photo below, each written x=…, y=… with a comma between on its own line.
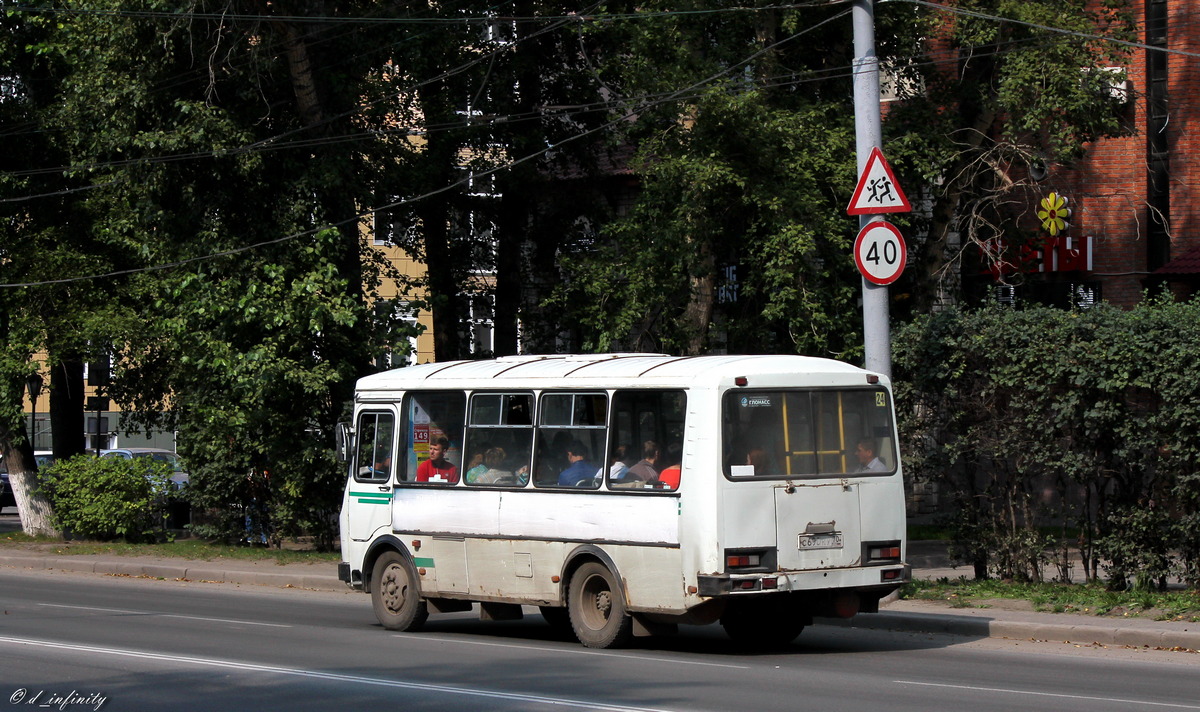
x=1047, y=28
x=355, y=220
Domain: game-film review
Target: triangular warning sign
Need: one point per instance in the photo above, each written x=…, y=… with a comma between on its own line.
x=877, y=191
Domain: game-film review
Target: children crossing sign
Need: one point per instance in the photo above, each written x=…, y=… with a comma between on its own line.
x=877, y=191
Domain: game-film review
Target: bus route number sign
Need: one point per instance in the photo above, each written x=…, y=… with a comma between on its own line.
x=880, y=253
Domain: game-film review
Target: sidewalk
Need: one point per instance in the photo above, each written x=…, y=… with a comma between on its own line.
x=1002, y=621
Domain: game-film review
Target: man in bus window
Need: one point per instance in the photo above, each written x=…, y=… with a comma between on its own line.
x=867, y=460
x=437, y=468
x=646, y=470
x=581, y=469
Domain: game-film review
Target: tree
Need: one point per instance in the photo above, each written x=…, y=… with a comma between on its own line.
x=991, y=92
x=738, y=239
x=209, y=134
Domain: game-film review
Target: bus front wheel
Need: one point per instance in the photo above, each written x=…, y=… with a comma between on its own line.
x=597, y=608
x=396, y=594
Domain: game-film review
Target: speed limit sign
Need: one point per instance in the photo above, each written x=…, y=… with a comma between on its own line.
x=880, y=253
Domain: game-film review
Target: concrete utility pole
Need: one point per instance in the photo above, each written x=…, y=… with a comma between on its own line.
x=877, y=339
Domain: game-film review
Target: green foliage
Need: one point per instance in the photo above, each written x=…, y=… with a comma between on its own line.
x=109, y=497
x=1040, y=419
x=737, y=239
x=1090, y=599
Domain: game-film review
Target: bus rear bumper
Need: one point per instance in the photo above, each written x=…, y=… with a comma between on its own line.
x=883, y=579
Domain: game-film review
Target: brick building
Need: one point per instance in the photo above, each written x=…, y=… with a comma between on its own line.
x=1133, y=226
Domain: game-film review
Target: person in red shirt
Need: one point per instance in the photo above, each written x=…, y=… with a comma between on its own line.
x=437, y=465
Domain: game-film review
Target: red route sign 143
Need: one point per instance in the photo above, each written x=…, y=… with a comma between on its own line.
x=880, y=253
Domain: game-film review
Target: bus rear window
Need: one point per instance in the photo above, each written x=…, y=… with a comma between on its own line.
x=809, y=433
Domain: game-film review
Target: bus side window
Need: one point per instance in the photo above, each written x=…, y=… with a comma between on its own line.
x=499, y=440
x=645, y=419
x=570, y=440
x=373, y=458
x=430, y=416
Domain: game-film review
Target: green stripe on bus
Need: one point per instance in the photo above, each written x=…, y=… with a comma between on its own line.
x=372, y=497
x=423, y=561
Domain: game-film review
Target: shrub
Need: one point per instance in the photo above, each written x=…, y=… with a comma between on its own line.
x=108, y=498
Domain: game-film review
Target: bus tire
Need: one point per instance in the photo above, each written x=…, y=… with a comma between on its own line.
x=761, y=626
x=597, y=608
x=396, y=593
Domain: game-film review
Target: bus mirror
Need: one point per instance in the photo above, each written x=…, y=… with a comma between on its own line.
x=344, y=435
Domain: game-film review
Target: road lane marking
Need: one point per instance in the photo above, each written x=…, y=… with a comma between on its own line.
x=1049, y=694
x=572, y=650
x=333, y=676
x=165, y=615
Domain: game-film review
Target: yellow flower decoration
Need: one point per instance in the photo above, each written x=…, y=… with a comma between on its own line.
x=1054, y=214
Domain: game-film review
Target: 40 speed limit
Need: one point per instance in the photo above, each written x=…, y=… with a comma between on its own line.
x=880, y=253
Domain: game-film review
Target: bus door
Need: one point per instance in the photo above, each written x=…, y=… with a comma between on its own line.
x=369, y=502
x=817, y=525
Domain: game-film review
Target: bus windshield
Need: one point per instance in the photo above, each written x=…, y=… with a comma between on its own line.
x=808, y=433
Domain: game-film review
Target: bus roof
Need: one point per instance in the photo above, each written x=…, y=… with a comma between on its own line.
x=597, y=370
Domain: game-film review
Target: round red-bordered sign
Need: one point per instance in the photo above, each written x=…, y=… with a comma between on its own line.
x=880, y=252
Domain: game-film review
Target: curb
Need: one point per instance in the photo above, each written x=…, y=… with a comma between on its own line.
x=177, y=572
x=976, y=627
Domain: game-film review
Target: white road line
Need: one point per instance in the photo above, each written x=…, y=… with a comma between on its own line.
x=1049, y=694
x=336, y=677
x=165, y=615
x=575, y=651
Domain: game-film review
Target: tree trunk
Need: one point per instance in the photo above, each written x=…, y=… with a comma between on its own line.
x=37, y=516
x=697, y=316
x=67, y=420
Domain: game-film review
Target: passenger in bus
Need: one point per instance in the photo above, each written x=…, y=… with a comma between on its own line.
x=437, y=468
x=618, y=465
x=493, y=473
x=864, y=451
x=581, y=471
x=475, y=467
x=669, y=477
x=757, y=458
x=645, y=470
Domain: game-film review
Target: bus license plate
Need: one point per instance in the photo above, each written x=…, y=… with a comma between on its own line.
x=809, y=542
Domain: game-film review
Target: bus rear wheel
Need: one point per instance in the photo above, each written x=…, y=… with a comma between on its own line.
x=396, y=594
x=597, y=608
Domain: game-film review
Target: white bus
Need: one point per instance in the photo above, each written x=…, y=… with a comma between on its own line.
x=625, y=494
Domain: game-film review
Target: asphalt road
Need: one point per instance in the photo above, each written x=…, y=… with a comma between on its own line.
x=68, y=640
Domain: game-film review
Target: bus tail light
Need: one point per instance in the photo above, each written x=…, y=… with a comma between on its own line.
x=877, y=553
x=885, y=552
x=739, y=561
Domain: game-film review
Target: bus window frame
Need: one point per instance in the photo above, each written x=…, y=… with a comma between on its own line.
x=540, y=427
x=406, y=429
x=470, y=426
x=377, y=412
x=727, y=468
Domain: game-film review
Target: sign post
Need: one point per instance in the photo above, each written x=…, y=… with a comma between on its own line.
x=877, y=191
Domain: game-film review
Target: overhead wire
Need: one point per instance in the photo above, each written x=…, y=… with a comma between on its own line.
x=273, y=143
x=356, y=219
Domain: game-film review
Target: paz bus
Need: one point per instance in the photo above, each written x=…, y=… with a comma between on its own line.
x=625, y=494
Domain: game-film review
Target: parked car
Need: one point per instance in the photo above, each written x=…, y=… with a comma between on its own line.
x=178, y=511
x=44, y=458
x=178, y=475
